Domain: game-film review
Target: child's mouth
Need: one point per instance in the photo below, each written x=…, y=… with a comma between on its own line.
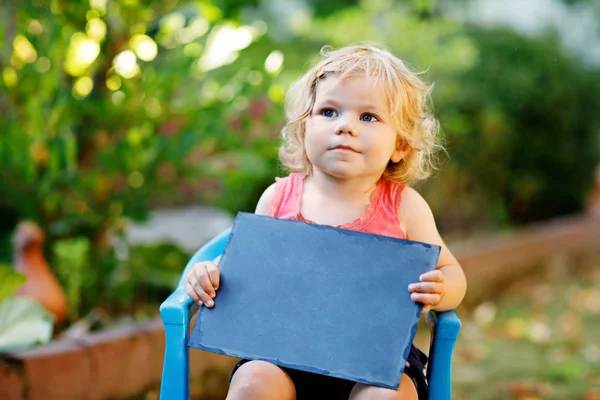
x=344, y=148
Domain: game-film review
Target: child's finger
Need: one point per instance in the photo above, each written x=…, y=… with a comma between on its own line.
x=202, y=276
x=426, y=309
x=426, y=298
x=206, y=291
x=426, y=287
x=213, y=274
x=205, y=298
x=196, y=288
x=191, y=292
x=432, y=276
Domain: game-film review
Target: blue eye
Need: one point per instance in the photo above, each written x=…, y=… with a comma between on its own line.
x=328, y=112
x=367, y=117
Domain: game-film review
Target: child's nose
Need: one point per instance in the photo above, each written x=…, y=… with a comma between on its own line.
x=345, y=126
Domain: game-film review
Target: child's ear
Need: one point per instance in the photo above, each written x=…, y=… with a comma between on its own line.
x=401, y=148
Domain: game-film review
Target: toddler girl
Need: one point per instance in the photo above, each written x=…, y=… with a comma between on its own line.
x=358, y=133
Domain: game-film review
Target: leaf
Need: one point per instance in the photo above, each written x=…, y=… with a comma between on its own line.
x=571, y=370
x=10, y=281
x=23, y=323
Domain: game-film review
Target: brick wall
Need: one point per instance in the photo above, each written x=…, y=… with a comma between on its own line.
x=116, y=363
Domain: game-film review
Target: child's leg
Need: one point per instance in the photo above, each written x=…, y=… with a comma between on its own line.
x=406, y=391
x=261, y=380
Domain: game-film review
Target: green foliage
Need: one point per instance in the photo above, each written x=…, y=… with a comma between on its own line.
x=107, y=109
x=518, y=113
x=524, y=130
x=148, y=274
x=574, y=369
x=23, y=322
x=10, y=281
x=70, y=260
x=127, y=281
x=111, y=108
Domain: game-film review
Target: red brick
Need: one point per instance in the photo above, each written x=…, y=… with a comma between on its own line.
x=155, y=333
x=11, y=387
x=58, y=370
x=112, y=364
x=497, y=259
x=121, y=359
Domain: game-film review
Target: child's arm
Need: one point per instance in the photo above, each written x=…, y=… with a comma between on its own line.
x=444, y=288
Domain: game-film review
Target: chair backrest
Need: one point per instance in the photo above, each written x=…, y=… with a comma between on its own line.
x=176, y=312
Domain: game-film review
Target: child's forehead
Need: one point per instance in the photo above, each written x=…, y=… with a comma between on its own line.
x=348, y=87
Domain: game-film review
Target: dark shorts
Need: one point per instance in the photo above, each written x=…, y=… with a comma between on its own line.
x=311, y=386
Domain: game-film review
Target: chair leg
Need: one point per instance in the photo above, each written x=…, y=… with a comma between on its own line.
x=439, y=371
x=175, y=383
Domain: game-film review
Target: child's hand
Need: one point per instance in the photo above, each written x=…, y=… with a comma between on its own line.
x=203, y=282
x=429, y=291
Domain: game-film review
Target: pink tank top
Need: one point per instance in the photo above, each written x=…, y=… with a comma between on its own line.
x=381, y=217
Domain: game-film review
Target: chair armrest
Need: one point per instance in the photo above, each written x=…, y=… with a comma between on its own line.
x=444, y=325
x=175, y=309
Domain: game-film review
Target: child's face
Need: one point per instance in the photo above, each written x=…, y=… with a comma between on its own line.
x=349, y=133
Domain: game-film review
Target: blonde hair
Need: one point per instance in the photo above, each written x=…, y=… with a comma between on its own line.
x=407, y=97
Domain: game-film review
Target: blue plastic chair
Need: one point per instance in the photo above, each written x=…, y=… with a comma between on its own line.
x=177, y=310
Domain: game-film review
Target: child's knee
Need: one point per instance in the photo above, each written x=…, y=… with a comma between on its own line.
x=406, y=391
x=261, y=380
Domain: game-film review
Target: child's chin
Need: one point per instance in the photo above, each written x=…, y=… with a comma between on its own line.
x=342, y=171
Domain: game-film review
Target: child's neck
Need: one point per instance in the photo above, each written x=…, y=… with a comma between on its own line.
x=330, y=201
x=347, y=190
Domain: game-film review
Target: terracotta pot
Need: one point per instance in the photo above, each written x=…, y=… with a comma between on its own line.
x=41, y=284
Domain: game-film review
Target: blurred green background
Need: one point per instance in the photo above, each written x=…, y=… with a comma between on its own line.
x=110, y=109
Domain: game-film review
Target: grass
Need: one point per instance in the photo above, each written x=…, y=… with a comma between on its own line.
x=539, y=340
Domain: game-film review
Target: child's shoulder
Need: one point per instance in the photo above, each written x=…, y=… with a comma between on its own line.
x=413, y=206
x=283, y=186
x=411, y=195
x=262, y=207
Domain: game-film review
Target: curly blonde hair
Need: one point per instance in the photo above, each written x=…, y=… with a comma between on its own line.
x=407, y=98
